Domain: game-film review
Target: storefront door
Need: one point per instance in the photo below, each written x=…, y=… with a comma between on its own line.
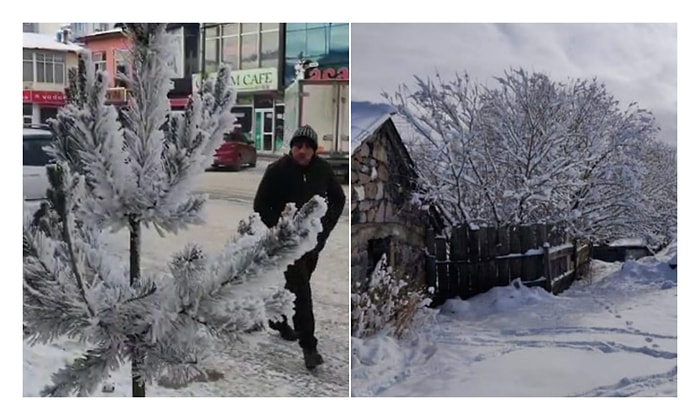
x=264, y=130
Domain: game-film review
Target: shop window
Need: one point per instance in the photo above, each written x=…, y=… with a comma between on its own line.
x=244, y=118
x=248, y=28
x=230, y=29
x=230, y=52
x=249, y=51
x=211, y=55
x=46, y=113
x=269, y=48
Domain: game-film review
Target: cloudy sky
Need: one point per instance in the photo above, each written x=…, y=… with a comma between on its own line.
x=637, y=62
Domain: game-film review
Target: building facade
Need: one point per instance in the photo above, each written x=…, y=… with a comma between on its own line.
x=263, y=57
x=254, y=54
x=77, y=30
x=327, y=45
x=109, y=53
x=45, y=64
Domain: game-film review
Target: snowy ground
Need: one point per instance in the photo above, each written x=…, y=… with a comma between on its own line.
x=264, y=365
x=614, y=334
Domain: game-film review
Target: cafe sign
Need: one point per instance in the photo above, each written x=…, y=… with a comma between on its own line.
x=251, y=80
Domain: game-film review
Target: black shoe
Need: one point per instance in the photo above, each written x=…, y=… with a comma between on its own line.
x=312, y=359
x=286, y=332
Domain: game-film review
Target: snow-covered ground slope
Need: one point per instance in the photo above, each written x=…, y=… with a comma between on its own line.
x=612, y=334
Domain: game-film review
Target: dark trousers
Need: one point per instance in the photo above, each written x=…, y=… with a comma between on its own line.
x=298, y=276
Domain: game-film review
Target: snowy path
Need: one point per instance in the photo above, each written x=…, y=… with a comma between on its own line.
x=615, y=336
x=263, y=365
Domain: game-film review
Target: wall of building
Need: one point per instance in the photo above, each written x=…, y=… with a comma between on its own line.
x=254, y=53
x=41, y=53
x=383, y=218
x=328, y=44
x=106, y=48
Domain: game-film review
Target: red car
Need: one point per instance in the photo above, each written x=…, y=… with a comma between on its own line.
x=236, y=151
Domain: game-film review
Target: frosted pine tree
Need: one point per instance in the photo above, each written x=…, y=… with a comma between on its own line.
x=132, y=170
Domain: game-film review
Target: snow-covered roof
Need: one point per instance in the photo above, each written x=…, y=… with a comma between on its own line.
x=629, y=242
x=366, y=118
x=47, y=42
x=98, y=33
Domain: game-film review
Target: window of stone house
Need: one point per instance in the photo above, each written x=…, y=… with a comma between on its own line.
x=375, y=249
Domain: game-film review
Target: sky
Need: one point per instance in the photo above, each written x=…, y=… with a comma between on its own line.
x=637, y=62
x=612, y=334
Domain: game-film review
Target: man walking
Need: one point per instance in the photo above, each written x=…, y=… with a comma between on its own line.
x=295, y=178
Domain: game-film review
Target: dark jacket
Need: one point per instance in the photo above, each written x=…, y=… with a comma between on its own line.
x=285, y=181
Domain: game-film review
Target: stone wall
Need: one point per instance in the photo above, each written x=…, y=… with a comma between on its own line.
x=381, y=189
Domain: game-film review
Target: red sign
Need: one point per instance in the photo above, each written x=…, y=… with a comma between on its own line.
x=327, y=73
x=43, y=97
x=179, y=102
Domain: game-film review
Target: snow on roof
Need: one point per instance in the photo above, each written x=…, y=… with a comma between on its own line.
x=46, y=42
x=629, y=242
x=366, y=118
x=98, y=33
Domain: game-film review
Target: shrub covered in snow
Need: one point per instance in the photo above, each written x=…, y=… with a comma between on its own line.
x=384, y=302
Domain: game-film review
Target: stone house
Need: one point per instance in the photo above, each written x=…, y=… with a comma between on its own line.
x=384, y=218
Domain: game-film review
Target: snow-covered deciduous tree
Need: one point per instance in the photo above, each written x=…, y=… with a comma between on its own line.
x=135, y=169
x=659, y=185
x=443, y=115
x=530, y=150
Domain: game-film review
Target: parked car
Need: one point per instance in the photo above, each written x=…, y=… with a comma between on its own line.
x=35, y=159
x=235, y=152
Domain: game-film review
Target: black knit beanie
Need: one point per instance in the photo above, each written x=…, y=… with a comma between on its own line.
x=305, y=133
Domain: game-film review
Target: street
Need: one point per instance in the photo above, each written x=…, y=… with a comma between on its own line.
x=264, y=365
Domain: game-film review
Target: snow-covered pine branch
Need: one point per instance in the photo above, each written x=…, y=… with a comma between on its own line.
x=178, y=316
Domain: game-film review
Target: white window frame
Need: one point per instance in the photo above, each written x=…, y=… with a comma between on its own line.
x=100, y=64
x=53, y=58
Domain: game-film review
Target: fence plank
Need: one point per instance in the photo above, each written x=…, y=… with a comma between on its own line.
x=527, y=244
x=458, y=269
x=479, y=281
x=442, y=267
x=540, y=240
x=503, y=265
x=547, y=263
x=515, y=248
x=489, y=265
x=430, y=274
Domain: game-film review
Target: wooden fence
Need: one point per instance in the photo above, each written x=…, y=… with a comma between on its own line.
x=470, y=262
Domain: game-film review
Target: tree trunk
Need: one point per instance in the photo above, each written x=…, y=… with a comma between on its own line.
x=138, y=386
